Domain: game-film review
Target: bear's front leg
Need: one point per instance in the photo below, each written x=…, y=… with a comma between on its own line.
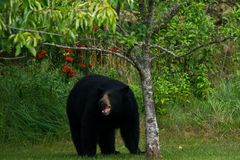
x=130, y=133
x=107, y=141
x=130, y=139
x=89, y=141
x=89, y=132
x=76, y=137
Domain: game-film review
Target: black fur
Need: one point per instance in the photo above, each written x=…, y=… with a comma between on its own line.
x=90, y=127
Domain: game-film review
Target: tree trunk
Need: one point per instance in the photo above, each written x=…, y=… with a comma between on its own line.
x=151, y=130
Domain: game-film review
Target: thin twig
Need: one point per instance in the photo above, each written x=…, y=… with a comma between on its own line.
x=174, y=10
x=14, y=58
x=171, y=13
x=142, y=9
x=118, y=8
x=122, y=30
x=93, y=49
x=165, y=50
x=219, y=40
x=43, y=32
x=35, y=31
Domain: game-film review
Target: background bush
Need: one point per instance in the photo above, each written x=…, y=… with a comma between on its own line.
x=219, y=114
x=33, y=100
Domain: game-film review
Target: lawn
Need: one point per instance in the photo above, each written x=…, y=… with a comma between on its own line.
x=173, y=147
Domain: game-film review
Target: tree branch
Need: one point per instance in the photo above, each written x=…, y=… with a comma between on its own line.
x=151, y=4
x=43, y=32
x=118, y=8
x=164, y=49
x=149, y=17
x=149, y=21
x=142, y=8
x=94, y=49
x=63, y=46
x=170, y=14
x=218, y=40
x=35, y=31
x=14, y=58
x=125, y=33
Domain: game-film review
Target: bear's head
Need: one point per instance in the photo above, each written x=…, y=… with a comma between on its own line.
x=112, y=100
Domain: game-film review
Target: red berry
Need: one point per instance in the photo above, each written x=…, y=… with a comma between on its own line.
x=69, y=59
x=66, y=69
x=68, y=50
x=83, y=65
x=90, y=65
x=40, y=56
x=72, y=73
x=43, y=52
x=113, y=49
x=80, y=59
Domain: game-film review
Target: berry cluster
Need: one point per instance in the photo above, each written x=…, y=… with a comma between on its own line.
x=73, y=60
x=41, y=54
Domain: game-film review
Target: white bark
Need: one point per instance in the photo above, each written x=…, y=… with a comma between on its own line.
x=151, y=129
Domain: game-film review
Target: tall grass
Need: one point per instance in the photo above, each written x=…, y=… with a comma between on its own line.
x=32, y=104
x=220, y=113
x=225, y=105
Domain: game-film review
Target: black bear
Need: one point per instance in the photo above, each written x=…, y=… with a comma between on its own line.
x=96, y=106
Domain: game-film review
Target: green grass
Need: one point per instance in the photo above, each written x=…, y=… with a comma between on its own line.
x=203, y=151
x=193, y=148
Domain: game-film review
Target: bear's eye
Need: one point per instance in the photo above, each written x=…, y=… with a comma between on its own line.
x=109, y=94
x=101, y=103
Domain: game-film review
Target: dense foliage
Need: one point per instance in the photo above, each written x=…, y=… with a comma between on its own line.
x=28, y=24
x=197, y=24
x=32, y=103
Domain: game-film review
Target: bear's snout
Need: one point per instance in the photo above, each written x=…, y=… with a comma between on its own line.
x=105, y=105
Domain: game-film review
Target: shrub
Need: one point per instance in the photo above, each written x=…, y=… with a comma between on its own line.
x=170, y=89
x=218, y=113
x=138, y=95
x=33, y=100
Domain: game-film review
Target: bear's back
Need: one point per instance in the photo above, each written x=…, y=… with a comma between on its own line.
x=93, y=82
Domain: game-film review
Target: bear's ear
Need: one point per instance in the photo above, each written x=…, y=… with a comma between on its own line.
x=125, y=89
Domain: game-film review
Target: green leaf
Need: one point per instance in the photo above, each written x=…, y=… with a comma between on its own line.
x=31, y=49
x=72, y=34
x=18, y=50
x=11, y=36
x=22, y=38
x=2, y=25
x=38, y=5
x=16, y=38
x=34, y=42
x=77, y=23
